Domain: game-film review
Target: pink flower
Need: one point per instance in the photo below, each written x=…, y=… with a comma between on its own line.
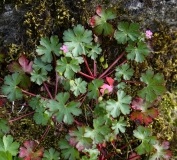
x=107, y=87
x=149, y=34
x=64, y=48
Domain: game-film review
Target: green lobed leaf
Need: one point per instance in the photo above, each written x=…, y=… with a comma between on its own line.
x=161, y=151
x=99, y=109
x=100, y=23
x=76, y=39
x=125, y=71
x=10, y=87
x=147, y=141
x=121, y=85
x=68, y=66
x=78, y=86
x=4, y=128
x=51, y=154
x=8, y=147
x=99, y=132
x=38, y=104
x=93, y=88
x=119, y=125
x=48, y=47
x=127, y=32
x=39, y=65
x=78, y=140
x=68, y=152
x=25, y=81
x=120, y=106
x=38, y=77
x=93, y=153
x=155, y=86
x=40, y=70
x=93, y=50
x=62, y=110
x=138, y=52
x=42, y=117
x=78, y=58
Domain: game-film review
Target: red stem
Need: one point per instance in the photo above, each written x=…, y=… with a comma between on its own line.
x=21, y=117
x=108, y=73
x=127, y=144
x=134, y=157
x=56, y=83
x=31, y=94
x=78, y=123
x=48, y=91
x=95, y=68
x=87, y=66
x=85, y=75
x=123, y=62
x=114, y=69
x=112, y=65
x=45, y=133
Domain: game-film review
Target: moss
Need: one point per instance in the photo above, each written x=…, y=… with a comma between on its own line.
x=26, y=129
x=44, y=18
x=163, y=58
x=165, y=126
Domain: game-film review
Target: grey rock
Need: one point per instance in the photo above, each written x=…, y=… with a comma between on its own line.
x=145, y=11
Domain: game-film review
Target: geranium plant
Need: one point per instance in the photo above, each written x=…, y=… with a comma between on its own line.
x=82, y=84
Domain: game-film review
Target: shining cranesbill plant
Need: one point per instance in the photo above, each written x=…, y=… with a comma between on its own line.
x=83, y=86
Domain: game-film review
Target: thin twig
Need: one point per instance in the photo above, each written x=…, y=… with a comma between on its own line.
x=31, y=94
x=128, y=144
x=113, y=70
x=85, y=75
x=112, y=65
x=87, y=66
x=21, y=117
x=108, y=73
x=46, y=88
x=123, y=62
x=45, y=133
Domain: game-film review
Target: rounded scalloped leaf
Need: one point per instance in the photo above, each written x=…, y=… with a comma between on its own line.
x=76, y=39
x=100, y=24
x=155, y=86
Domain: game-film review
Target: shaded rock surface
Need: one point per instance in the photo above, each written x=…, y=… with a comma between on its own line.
x=11, y=20
x=160, y=10
x=146, y=11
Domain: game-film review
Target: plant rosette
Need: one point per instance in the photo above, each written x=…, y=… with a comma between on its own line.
x=90, y=99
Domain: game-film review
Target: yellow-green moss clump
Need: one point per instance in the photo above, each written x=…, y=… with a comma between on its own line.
x=26, y=129
x=44, y=18
x=165, y=126
x=164, y=57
